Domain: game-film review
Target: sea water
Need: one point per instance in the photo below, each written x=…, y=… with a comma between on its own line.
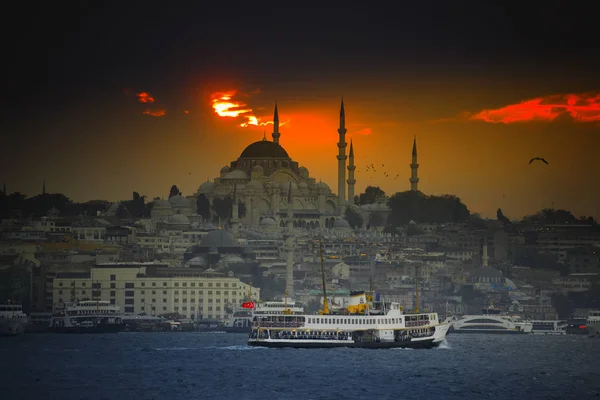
x=220, y=366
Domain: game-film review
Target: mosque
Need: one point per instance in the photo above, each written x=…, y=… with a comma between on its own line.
x=261, y=178
x=262, y=175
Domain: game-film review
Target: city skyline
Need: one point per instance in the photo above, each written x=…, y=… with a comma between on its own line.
x=141, y=108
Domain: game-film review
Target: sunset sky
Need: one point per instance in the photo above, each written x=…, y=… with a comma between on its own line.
x=117, y=98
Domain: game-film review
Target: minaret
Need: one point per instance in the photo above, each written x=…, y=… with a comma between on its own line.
x=44, y=187
x=342, y=159
x=276, y=133
x=289, y=244
x=484, y=258
x=351, y=181
x=414, y=166
x=234, y=213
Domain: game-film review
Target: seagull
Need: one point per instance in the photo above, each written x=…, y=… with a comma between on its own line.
x=538, y=158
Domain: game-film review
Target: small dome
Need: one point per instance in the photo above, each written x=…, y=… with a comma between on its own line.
x=160, y=203
x=206, y=187
x=268, y=221
x=303, y=172
x=303, y=185
x=196, y=262
x=237, y=174
x=225, y=170
x=286, y=185
x=258, y=168
x=178, y=219
x=218, y=238
x=114, y=207
x=254, y=185
x=323, y=186
x=341, y=223
x=178, y=201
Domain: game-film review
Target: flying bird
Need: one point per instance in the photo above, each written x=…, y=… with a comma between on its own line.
x=538, y=158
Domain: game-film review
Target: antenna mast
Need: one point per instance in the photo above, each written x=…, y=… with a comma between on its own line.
x=325, y=303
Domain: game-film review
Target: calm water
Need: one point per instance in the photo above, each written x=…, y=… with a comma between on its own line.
x=217, y=365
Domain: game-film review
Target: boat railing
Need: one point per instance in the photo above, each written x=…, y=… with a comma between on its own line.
x=272, y=324
x=410, y=324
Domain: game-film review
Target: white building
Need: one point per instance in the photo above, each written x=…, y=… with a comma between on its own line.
x=154, y=289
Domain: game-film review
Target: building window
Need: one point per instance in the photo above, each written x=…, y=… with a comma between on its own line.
x=128, y=301
x=113, y=293
x=153, y=283
x=193, y=284
x=113, y=277
x=164, y=292
x=184, y=284
x=143, y=284
x=113, y=285
x=129, y=285
x=129, y=309
x=164, y=283
x=129, y=293
x=176, y=284
x=112, y=301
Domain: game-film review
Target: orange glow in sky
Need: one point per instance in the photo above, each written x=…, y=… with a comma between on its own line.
x=155, y=112
x=144, y=97
x=584, y=107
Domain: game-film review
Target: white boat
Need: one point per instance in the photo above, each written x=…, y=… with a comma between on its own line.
x=364, y=324
x=593, y=323
x=241, y=319
x=491, y=320
x=13, y=320
x=359, y=327
x=549, y=327
x=88, y=316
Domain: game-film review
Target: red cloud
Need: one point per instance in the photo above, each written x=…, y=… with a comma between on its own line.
x=144, y=97
x=226, y=105
x=584, y=107
x=364, y=131
x=155, y=112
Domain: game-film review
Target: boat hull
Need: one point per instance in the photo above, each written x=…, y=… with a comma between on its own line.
x=103, y=328
x=12, y=327
x=489, y=331
x=326, y=344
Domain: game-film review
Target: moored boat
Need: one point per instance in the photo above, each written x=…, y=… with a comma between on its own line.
x=88, y=316
x=549, y=327
x=491, y=320
x=13, y=320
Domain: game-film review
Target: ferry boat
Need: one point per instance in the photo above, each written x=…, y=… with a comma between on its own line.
x=241, y=319
x=364, y=324
x=491, y=320
x=13, y=320
x=546, y=327
x=593, y=323
x=39, y=322
x=88, y=316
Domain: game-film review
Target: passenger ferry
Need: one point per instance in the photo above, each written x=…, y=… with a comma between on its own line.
x=364, y=324
x=491, y=320
x=553, y=327
x=88, y=316
x=593, y=323
x=241, y=319
x=13, y=320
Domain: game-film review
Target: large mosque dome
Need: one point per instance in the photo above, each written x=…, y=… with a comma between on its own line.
x=264, y=149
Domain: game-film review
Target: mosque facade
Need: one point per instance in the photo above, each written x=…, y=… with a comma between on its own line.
x=261, y=178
